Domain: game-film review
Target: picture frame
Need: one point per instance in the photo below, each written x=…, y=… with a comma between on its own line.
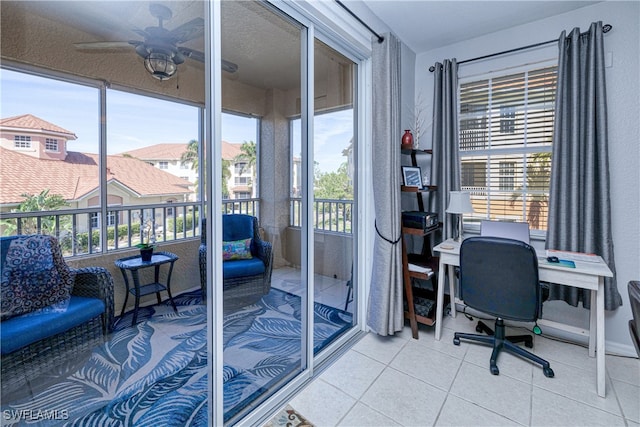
x=412, y=176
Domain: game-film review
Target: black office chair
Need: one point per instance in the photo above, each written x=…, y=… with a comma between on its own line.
x=500, y=276
x=634, y=324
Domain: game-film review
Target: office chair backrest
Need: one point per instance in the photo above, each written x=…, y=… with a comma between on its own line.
x=508, y=230
x=500, y=276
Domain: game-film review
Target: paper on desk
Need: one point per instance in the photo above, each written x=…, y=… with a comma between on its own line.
x=419, y=269
x=573, y=256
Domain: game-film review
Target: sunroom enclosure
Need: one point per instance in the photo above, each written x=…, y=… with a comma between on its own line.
x=313, y=237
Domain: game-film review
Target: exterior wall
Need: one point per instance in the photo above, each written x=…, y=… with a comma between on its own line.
x=38, y=141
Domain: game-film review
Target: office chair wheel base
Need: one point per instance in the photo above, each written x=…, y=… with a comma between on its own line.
x=548, y=372
x=456, y=341
x=494, y=370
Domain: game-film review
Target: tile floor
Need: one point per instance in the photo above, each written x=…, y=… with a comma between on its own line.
x=399, y=381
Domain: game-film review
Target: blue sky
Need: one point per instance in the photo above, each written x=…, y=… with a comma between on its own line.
x=136, y=121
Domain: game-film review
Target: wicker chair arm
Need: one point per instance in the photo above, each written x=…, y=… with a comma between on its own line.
x=96, y=282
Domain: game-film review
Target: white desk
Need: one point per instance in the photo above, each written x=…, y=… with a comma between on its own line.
x=586, y=275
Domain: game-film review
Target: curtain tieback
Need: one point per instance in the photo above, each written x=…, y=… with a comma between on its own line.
x=375, y=223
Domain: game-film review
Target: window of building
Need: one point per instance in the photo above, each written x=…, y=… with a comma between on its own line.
x=240, y=168
x=95, y=219
x=163, y=165
x=241, y=180
x=22, y=141
x=242, y=195
x=51, y=144
x=506, y=130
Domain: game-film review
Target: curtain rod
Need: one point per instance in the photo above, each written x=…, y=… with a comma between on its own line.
x=605, y=29
x=380, y=38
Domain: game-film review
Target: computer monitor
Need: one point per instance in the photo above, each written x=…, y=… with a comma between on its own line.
x=509, y=230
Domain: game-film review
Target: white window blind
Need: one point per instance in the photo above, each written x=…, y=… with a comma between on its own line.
x=506, y=129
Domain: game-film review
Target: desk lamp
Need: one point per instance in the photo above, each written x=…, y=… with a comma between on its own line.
x=459, y=203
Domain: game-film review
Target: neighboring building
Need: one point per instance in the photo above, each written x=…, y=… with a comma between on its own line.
x=166, y=157
x=34, y=157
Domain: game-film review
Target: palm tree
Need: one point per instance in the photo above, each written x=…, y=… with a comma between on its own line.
x=191, y=154
x=538, y=179
x=248, y=155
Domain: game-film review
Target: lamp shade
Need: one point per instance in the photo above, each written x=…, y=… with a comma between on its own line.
x=459, y=202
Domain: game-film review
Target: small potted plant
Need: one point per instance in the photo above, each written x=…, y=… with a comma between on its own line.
x=146, y=247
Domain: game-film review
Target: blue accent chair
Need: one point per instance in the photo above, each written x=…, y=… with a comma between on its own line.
x=245, y=281
x=38, y=342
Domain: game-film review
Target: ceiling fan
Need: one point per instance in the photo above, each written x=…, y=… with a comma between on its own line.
x=160, y=48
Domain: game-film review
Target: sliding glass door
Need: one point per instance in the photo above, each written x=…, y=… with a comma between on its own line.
x=264, y=291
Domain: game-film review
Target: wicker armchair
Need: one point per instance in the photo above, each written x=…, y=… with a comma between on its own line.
x=243, y=284
x=21, y=366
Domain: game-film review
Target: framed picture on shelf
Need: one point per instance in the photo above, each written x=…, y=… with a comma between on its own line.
x=412, y=176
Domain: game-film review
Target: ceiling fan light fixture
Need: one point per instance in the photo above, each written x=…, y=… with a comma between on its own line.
x=160, y=65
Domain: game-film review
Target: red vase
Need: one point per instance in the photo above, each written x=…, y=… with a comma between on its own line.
x=407, y=140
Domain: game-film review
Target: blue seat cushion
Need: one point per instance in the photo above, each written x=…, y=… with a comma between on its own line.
x=21, y=331
x=242, y=268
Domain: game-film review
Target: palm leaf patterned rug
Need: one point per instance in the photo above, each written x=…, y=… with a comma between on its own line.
x=155, y=373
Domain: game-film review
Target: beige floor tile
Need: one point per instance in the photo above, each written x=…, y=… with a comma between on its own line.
x=353, y=373
x=577, y=384
x=550, y=409
x=430, y=366
x=363, y=416
x=459, y=412
x=322, y=404
x=492, y=392
x=629, y=398
x=404, y=399
x=382, y=349
x=625, y=369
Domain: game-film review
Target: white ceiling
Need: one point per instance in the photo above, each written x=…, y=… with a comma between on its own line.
x=424, y=25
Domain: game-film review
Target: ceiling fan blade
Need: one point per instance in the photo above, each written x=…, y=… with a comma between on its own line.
x=190, y=53
x=188, y=31
x=227, y=66
x=102, y=45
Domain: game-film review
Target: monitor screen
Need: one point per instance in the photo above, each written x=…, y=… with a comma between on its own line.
x=508, y=230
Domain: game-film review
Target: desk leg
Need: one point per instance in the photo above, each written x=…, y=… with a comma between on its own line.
x=593, y=323
x=600, y=352
x=452, y=289
x=440, y=300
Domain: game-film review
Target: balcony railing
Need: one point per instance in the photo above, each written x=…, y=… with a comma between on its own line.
x=79, y=230
x=328, y=215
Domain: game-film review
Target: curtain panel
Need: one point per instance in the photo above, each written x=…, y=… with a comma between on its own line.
x=385, y=314
x=579, y=200
x=445, y=162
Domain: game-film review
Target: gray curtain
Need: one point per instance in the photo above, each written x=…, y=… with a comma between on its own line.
x=579, y=201
x=445, y=162
x=385, y=314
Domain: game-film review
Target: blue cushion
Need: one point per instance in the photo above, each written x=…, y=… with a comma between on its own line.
x=237, y=227
x=242, y=268
x=21, y=331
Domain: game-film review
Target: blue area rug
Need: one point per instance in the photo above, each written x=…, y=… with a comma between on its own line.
x=155, y=372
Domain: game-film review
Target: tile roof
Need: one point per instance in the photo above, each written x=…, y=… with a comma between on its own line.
x=168, y=151
x=77, y=176
x=31, y=122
